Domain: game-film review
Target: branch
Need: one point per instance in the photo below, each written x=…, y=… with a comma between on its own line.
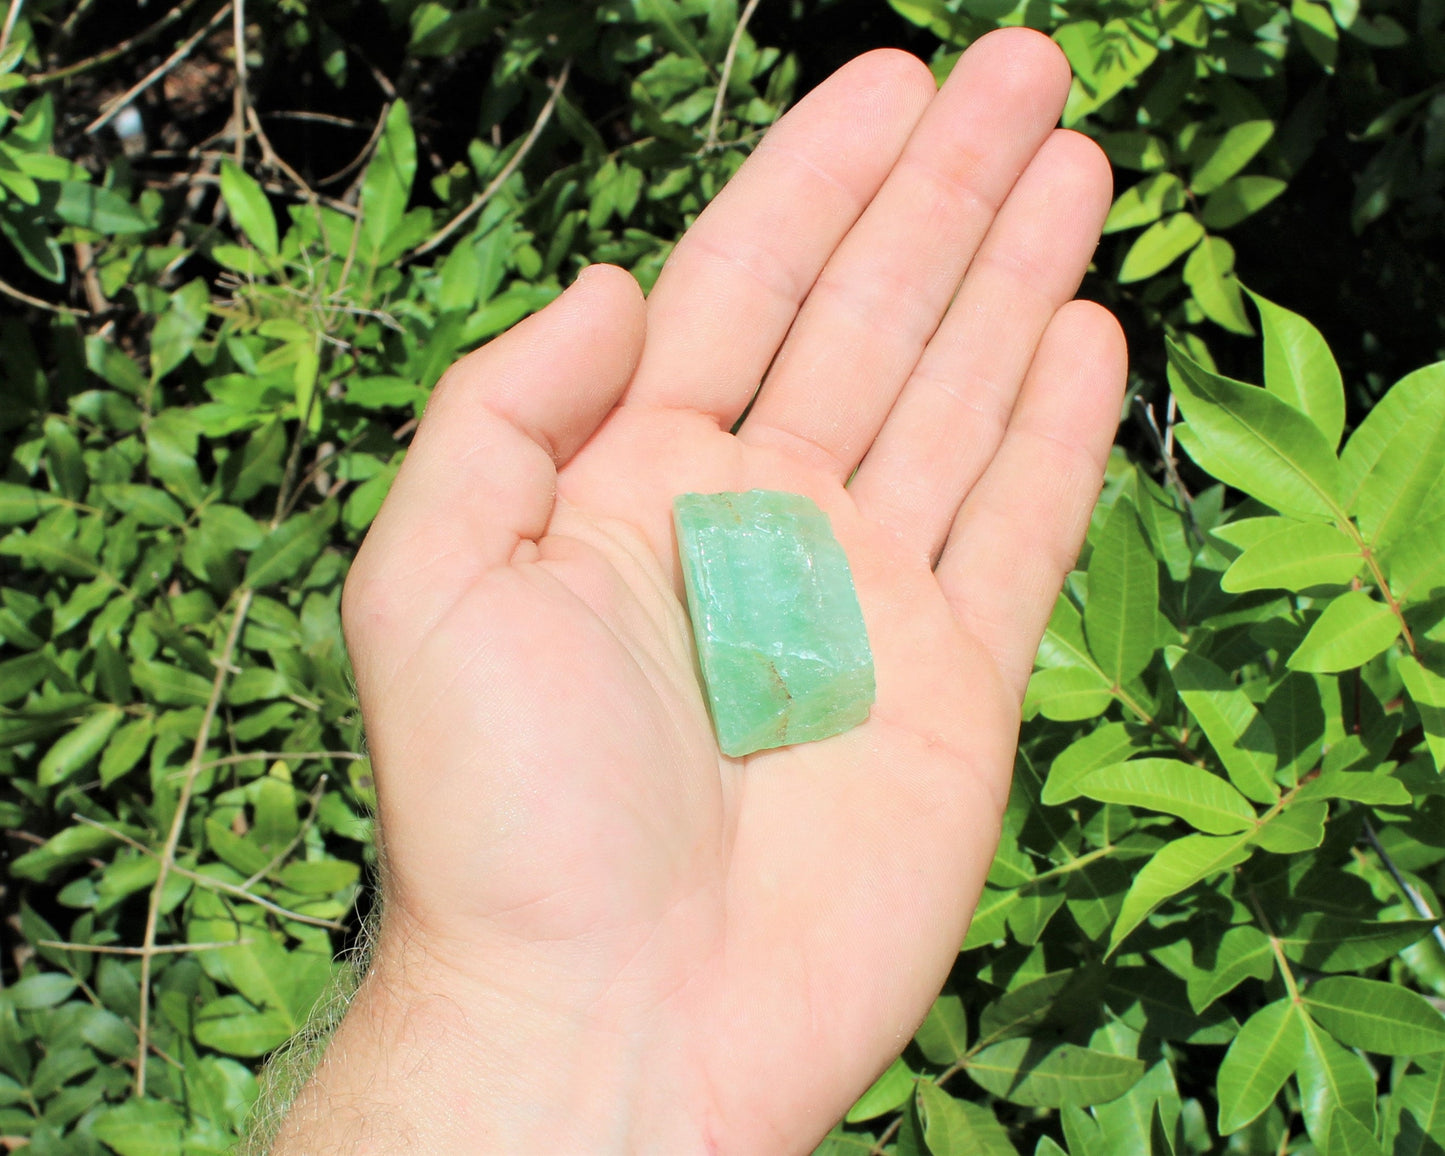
x=500, y=179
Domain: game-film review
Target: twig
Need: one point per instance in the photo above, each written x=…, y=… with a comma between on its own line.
x=480, y=200
x=211, y=883
x=94, y=294
x=158, y=949
x=318, y=117
x=10, y=291
x=270, y=186
x=715, y=120
x=155, y=74
x=298, y=756
x=1417, y=901
x=178, y=822
x=115, y=50
x=301, y=829
x=10, y=18
x=366, y=149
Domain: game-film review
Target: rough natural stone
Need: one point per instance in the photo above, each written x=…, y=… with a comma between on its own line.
x=780, y=635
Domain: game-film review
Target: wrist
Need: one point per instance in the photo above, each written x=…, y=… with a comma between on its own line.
x=432, y=1058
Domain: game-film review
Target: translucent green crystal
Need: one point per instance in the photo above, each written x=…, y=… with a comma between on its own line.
x=779, y=632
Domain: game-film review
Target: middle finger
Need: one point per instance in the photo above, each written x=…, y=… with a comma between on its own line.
x=880, y=297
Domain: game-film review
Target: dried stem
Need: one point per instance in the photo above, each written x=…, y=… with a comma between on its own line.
x=212, y=884
x=715, y=121
x=158, y=949
x=50, y=307
x=10, y=18
x=187, y=47
x=480, y=200
x=173, y=836
x=1411, y=892
x=114, y=51
x=301, y=829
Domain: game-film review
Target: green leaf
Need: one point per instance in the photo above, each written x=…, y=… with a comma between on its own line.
x=21, y=504
x=1159, y=246
x=146, y=504
x=141, y=1128
x=958, y=1128
x=1067, y=693
x=233, y=1026
x=943, y=1035
x=1120, y=615
x=1241, y=953
x=249, y=208
x=170, y=685
x=1023, y=1007
x=1234, y=728
x=387, y=185
x=1209, y=273
x=1427, y=692
x=1300, y=369
x=1299, y=827
x=1348, y=1137
x=1377, y=788
x=1044, y=1075
x=1264, y=1055
x=40, y=991
x=1100, y=747
x=288, y=549
x=1248, y=438
x=1415, y=565
x=126, y=749
x=1135, y=150
x=887, y=1093
x=1203, y=800
x=1144, y=203
x=1418, y=1103
x=1375, y=1016
x=74, y=750
x=1235, y=149
x=322, y=877
x=1300, y=556
x=1332, y=1078
x=98, y=209
x=1315, y=26
x=1388, y=433
x=1174, y=868
x=1407, y=479
x=179, y=327
x=1238, y=199
x=1351, y=631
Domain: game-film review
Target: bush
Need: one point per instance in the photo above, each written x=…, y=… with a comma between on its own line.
x=1225, y=837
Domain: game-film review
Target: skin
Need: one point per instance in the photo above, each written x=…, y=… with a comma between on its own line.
x=600, y=934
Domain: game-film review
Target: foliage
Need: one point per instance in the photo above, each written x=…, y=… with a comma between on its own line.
x=1210, y=110
x=191, y=462
x=1228, y=789
x=1215, y=907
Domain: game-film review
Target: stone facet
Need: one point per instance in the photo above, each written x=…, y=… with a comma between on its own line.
x=780, y=635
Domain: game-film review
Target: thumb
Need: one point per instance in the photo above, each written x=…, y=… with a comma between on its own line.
x=480, y=476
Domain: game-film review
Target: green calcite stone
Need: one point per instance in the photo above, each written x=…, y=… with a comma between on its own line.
x=779, y=632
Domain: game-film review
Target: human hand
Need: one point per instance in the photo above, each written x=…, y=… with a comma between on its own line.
x=600, y=934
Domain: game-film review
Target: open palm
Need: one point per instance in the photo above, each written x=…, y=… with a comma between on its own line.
x=733, y=948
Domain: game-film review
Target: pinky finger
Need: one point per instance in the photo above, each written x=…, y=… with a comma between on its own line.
x=1019, y=530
